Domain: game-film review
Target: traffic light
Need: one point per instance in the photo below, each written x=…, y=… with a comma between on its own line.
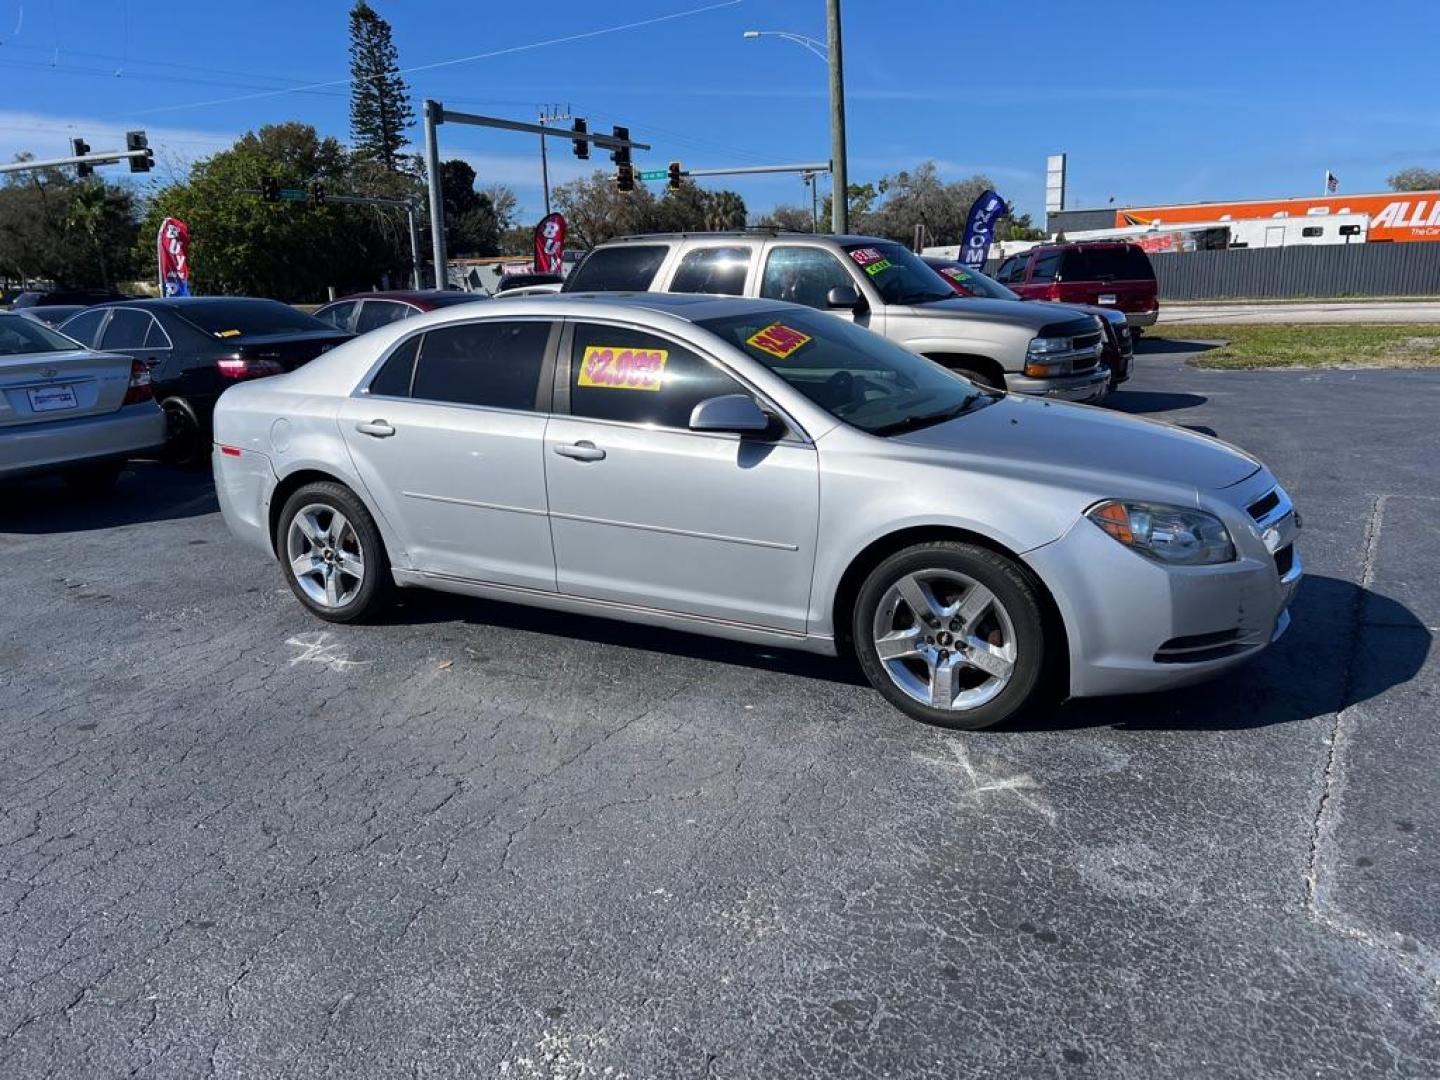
x=621, y=154
x=581, y=146
x=674, y=174
x=317, y=194
x=625, y=177
x=79, y=148
x=270, y=189
x=136, y=140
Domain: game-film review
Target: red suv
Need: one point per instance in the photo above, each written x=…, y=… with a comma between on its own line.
x=1106, y=273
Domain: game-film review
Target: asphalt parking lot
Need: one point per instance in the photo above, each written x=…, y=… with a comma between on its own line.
x=484, y=841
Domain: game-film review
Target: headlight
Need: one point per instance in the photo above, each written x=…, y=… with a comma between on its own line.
x=1041, y=361
x=1045, y=346
x=1167, y=534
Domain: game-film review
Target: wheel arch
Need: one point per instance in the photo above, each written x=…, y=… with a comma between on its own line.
x=985, y=365
x=881, y=548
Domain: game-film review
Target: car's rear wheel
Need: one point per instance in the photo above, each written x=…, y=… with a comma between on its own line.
x=185, y=438
x=92, y=480
x=951, y=634
x=332, y=554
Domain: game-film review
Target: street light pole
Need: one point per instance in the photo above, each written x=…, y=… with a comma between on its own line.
x=839, y=175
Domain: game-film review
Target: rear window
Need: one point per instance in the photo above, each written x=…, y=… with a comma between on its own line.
x=1108, y=264
x=626, y=268
x=240, y=318
x=19, y=336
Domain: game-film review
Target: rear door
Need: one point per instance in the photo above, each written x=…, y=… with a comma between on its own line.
x=719, y=269
x=645, y=511
x=448, y=438
x=135, y=332
x=39, y=384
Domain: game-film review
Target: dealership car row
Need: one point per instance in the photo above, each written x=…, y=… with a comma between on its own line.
x=656, y=441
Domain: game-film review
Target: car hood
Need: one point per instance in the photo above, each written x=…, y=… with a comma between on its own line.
x=1012, y=312
x=1107, y=446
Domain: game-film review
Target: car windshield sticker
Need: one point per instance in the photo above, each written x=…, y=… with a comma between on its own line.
x=227, y=333
x=866, y=256
x=779, y=340
x=955, y=274
x=614, y=368
x=878, y=267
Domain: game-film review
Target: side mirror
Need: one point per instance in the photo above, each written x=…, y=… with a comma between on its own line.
x=842, y=296
x=736, y=413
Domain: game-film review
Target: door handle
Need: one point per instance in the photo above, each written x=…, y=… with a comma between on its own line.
x=584, y=450
x=378, y=428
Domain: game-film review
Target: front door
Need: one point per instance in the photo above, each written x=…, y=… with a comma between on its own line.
x=449, y=441
x=803, y=274
x=646, y=512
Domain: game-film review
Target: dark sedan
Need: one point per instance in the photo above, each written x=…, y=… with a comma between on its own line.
x=197, y=346
x=367, y=311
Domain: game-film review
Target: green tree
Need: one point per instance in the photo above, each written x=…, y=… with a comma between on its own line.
x=596, y=212
x=724, y=210
x=472, y=222
x=1415, y=179
x=380, y=108
x=74, y=232
x=788, y=218
x=861, y=204
x=290, y=251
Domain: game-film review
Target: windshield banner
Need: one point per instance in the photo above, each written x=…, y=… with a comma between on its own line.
x=980, y=230
x=550, y=244
x=172, y=246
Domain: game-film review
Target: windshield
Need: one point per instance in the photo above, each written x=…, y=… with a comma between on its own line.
x=20, y=336
x=967, y=282
x=241, y=318
x=901, y=276
x=854, y=375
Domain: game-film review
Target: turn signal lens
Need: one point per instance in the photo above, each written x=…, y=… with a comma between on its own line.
x=140, y=388
x=1177, y=535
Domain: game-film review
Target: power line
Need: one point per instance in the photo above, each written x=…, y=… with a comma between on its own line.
x=510, y=50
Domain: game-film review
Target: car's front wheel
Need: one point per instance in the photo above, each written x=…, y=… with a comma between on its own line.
x=332, y=554
x=951, y=634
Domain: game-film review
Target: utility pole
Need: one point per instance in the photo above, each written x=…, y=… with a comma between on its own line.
x=549, y=115
x=840, y=183
x=435, y=114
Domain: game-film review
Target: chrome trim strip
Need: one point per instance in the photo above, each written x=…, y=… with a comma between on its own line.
x=678, y=532
x=473, y=503
x=615, y=605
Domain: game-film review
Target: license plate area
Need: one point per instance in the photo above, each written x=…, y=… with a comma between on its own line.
x=52, y=399
x=1106, y=298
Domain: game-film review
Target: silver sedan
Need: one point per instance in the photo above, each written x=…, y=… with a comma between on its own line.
x=764, y=472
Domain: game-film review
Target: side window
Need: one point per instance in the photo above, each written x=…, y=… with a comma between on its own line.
x=338, y=315
x=1013, y=271
x=802, y=275
x=496, y=364
x=1046, y=267
x=84, y=326
x=638, y=378
x=126, y=330
x=625, y=268
x=156, y=337
x=713, y=270
x=393, y=378
x=378, y=313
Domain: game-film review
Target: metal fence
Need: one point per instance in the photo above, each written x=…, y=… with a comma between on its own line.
x=1318, y=270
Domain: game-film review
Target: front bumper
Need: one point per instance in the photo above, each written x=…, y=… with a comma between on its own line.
x=57, y=445
x=1135, y=625
x=1089, y=387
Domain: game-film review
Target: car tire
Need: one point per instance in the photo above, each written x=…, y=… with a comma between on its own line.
x=186, y=441
x=980, y=648
x=92, y=480
x=332, y=554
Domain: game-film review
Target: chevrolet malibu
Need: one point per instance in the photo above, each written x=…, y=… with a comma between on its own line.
x=765, y=472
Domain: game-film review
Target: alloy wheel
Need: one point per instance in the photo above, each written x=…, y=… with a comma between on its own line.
x=325, y=555
x=944, y=639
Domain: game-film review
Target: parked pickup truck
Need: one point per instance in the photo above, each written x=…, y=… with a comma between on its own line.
x=876, y=283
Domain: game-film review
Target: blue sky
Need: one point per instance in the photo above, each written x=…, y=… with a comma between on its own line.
x=1154, y=101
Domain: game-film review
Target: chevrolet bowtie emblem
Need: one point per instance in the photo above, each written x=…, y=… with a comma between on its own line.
x=49, y=372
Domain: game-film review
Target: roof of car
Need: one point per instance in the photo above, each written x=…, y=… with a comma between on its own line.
x=1083, y=245
x=744, y=234
x=184, y=301
x=691, y=307
x=408, y=296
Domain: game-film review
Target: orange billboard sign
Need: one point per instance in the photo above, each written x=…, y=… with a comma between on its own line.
x=1394, y=215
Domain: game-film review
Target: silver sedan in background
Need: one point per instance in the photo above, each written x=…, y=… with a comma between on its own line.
x=765, y=472
x=70, y=410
